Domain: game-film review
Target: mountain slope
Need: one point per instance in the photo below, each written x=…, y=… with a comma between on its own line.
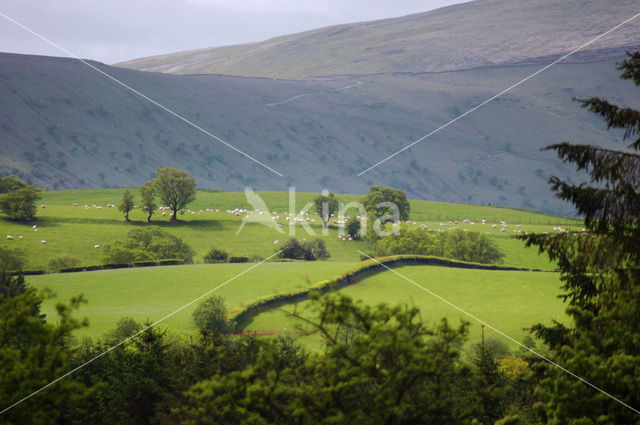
x=477, y=34
x=63, y=125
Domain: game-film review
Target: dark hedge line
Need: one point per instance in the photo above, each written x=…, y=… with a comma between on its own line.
x=170, y=262
x=244, y=313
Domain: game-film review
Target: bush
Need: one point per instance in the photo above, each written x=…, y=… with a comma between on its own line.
x=210, y=317
x=64, y=261
x=408, y=241
x=458, y=245
x=238, y=259
x=469, y=246
x=216, y=255
x=149, y=244
x=307, y=250
x=118, y=254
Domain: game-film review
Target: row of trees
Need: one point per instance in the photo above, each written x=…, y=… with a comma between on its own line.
x=379, y=203
x=174, y=187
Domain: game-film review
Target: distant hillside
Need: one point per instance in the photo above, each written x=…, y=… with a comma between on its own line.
x=481, y=33
x=62, y=125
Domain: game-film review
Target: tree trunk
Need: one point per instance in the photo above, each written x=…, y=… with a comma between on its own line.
x=174, y=217
x=126, y=217
x=325, y=222
x=149, y=216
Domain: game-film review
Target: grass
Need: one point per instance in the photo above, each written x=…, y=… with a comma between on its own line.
x=507, y=300
x=153, y=292
x=76, y=230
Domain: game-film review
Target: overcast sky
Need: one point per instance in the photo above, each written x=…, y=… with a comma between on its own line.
x=116, y=30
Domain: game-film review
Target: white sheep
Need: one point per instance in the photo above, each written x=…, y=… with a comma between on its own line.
x=97, y=245
x=20, y=237
x=43, y=242
x=9, y=237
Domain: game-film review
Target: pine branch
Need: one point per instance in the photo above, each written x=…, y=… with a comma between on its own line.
x=602, y=164
x=605, y=210
x=615, y=116
x=631, y=68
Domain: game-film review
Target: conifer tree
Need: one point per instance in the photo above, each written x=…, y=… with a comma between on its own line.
x=600, y=271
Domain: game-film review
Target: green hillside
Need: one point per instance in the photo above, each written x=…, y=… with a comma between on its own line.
x=64, y=126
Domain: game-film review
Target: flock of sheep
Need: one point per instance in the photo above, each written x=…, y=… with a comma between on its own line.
x=304, y=217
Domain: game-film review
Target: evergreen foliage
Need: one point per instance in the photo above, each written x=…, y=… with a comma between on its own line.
x=601, y=275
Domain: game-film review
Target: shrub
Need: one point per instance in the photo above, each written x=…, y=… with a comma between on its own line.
x=307, y=250
x=216, y=255
x=408, y=241
x=469, y=246
x=458, y=245
x=238, y=259
x=210, y=317
x=64, y=261
x=149, y=244
x=315, y=250
x=118, y=254
x=292, y=248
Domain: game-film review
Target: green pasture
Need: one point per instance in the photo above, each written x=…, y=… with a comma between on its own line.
x=153, y=292
x=76, y=230
x=507, y=300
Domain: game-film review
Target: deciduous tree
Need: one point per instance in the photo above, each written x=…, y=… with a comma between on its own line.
x=326, y=206
x=378, y=196
x=148, y=199
x=18, y=199
x=126, y=205
x=175, y=189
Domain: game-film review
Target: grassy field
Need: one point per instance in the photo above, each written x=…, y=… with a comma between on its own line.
x=153, y=292
x=506, y=300
x=150, y=293
x=76, y=230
